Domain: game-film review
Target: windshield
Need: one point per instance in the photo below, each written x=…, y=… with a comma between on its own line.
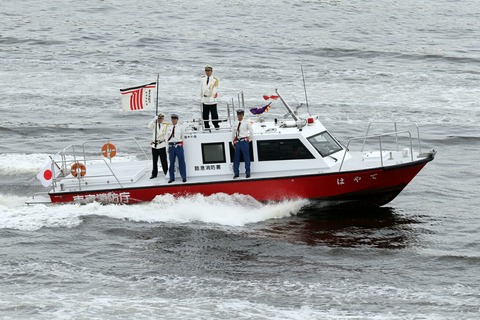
x=325, y=144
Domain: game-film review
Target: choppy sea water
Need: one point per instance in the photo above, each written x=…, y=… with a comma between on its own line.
x=221, y=257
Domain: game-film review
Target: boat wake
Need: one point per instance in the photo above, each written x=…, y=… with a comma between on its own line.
x=221, y=209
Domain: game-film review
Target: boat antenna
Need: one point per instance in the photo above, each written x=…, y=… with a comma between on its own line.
x=305, y=89
x=156, y=107
x=156, y=113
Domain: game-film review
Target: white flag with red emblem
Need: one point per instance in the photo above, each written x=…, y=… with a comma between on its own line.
x=139, y=97
x=48, y=172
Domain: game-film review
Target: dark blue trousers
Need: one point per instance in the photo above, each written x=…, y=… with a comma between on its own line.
x=241, y=147
x=176, y=152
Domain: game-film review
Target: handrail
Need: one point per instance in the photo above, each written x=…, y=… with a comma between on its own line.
x=108, y=166
x=230, y=104
x=119, y=139
x=395, y=128
x=379, y=136
x=36, y=195
x=40, y=193
x=81, y=156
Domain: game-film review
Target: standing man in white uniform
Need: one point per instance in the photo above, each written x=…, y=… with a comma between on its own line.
x=175, y=135
x=242, y=134
x=208, y=97
x=158, y=144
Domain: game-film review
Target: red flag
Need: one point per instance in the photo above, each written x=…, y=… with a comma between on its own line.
x=265, y=97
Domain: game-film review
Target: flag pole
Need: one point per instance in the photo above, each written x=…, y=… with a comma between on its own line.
x=156, y=114
x=305, y=89
x=156, y=107
x=58, y=167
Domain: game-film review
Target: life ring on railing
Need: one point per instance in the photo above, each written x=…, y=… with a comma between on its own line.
x=78, y=169
x=109, y=150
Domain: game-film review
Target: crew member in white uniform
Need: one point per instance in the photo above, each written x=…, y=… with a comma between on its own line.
x=158, y=144
x=208, y=97
x=242, y=134
x=175, y=134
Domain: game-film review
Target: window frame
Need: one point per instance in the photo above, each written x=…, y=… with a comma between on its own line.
x=278, y=155
x=330, y=140
x=204, y=153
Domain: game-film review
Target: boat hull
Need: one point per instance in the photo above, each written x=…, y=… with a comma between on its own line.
x=378, y=186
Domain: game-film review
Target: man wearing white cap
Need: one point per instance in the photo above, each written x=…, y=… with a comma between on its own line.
x=242, y=134
x=159, y=144
x=208, y=97
x=174, y=136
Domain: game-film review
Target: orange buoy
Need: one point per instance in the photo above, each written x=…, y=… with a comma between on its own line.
x=108, y=150
x=78, y=169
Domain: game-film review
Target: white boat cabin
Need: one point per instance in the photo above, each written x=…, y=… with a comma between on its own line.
x=277, y=146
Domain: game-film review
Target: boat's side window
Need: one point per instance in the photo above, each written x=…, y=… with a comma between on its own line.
x=325, y=144
x=285, y=149
x=213, y=153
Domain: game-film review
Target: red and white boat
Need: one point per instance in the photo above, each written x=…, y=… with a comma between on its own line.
x=294, y=158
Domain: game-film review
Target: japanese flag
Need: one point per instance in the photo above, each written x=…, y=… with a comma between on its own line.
x=47, y=173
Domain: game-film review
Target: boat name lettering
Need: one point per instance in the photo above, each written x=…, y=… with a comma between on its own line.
x=111, y=197
x=341, y=181
x=208, y=167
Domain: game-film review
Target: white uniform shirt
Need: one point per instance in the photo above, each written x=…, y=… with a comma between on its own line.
x=177, y=136
x=161, y=134
x=243, y=131
x=209, y=92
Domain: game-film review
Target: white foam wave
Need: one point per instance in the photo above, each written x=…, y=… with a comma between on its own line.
x=231, y=210
x=19, y=163
x=16, y=215
x=222, y=209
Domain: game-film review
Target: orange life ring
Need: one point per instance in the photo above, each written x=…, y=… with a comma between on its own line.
x=78, y=169
x=108, y=150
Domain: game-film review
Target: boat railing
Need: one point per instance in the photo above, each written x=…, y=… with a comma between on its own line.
x=82, y=154
x=381, y=140
x=39, y=195
x=235, y=102
x=395, y=127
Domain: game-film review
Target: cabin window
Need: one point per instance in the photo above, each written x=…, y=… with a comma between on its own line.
x=213, y=153
x=325, y=144
x=287, y=149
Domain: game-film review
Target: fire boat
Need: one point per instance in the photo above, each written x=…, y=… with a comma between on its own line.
x=292, y=157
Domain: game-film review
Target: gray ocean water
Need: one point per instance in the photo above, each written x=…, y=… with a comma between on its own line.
x=220, y=257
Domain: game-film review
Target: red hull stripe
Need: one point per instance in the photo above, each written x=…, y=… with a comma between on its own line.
x=340, y=185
